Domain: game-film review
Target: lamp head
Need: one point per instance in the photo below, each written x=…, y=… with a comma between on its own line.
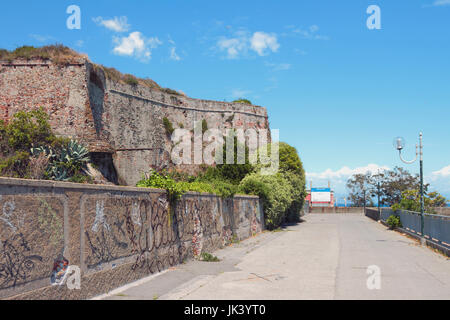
x=399, y=143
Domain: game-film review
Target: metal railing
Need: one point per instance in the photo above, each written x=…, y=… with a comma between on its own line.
x=372, y=214
x=436, y=227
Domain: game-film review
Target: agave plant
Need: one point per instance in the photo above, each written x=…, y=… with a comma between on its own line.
x=57, y=172
x=48, y=151
x=77, y=153
x=67, y=161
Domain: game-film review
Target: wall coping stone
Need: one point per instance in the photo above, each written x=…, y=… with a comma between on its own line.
x=189, y=108
x=100, y=187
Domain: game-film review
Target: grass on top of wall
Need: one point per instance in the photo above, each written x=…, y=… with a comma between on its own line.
x=62, y=55
x=57, y=53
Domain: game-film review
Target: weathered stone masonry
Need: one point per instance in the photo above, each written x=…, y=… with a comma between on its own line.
x=121, y=124
x=116, y=235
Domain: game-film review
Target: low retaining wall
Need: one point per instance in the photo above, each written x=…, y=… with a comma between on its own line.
x=444, y=211
x=336, y=210
x=114, y=235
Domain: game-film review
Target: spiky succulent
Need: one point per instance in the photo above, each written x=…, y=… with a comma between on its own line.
x=65, y=162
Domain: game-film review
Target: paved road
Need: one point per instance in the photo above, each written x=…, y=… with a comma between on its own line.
x=325, y=257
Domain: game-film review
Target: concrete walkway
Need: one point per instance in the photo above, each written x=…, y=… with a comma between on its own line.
x=325, y=257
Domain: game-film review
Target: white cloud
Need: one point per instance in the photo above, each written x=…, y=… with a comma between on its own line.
x=440, y=181
x=314, y=28
x=234, y=46
x=136, y=45
x=300, y=52
x=79, y=43
x=279, y=66
x=310, y=33
x=441, y=3
x=444, y=172
x=173, y=50
x=262, y=42
x=338, y=178
x=174, y=55
x=346, y=172
x=239, y=93
x=116, y=24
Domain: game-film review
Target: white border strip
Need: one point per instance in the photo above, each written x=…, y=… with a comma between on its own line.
x=129, y=286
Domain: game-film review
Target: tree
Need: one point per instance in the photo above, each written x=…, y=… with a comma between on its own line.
x=395, y=182
x=360, y=186
x=388, y=185
x=411, y=201
x=437, y=200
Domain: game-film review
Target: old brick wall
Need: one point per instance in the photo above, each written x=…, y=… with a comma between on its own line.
x=115, y=235
x=122, y=120
x=60, y=90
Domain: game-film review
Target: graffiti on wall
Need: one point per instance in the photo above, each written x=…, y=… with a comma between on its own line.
x=31, y=236
x=10, y=216
x=117, y=229
x=50, y=222
x=107, y=235
x=16, y=261
x=157, y=245
x=120, y=227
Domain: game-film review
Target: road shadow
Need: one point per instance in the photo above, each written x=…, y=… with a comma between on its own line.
x=286, y=225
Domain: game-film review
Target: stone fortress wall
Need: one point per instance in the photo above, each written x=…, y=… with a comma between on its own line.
x=121, y=124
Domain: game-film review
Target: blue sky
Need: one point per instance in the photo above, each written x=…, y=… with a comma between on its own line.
x=337, y=91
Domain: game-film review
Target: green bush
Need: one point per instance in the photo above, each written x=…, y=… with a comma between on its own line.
x=15, y=166
x=176, y=189
x=245, y=101
x=291, y=169
x=207, y=257
x=297, y=183
x=170, y=91
x=162, y=181
x=276, y=193
x=24, y=130
x=131, y=80
x=393, y=222
x=224, y=189
x=168, y=126
x=18, y=136
x=283, y=193
x=204, y=126
x=27, y=136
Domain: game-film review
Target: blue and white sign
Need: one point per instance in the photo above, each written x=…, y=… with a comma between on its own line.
x=320, y=195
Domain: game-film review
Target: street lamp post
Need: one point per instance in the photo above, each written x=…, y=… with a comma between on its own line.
x=399, y=144
x=378, y=197
x=364, y=192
